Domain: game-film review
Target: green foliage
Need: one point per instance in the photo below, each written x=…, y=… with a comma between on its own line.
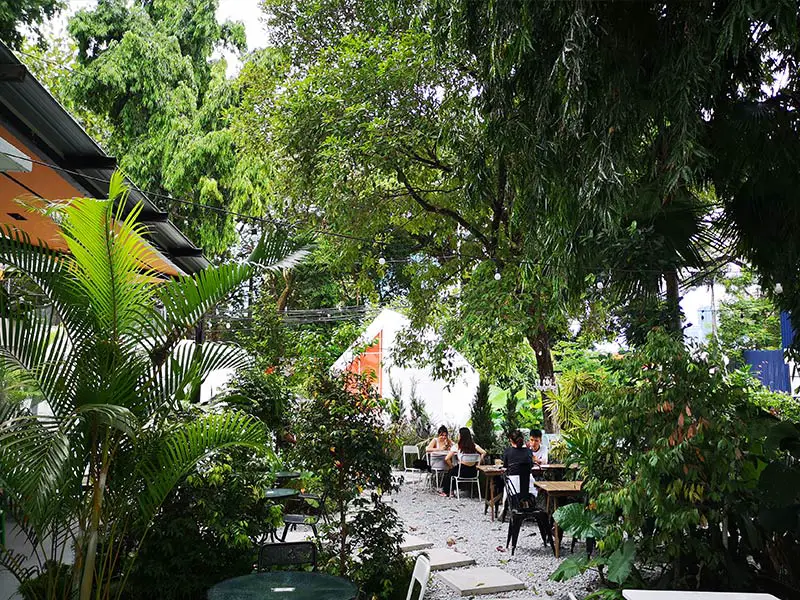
x=261, y=393
x=481, y=417
x=748, y=320
x=148, y=70
x=205, y=531
x=419, y=418
x=15, y=14
x=570, y=404
x=677, y=472
x=344, y=442
x=105, y=356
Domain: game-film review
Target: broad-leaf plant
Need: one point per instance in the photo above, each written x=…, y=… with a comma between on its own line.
x=105, y=351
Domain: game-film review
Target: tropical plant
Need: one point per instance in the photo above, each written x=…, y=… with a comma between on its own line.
x=569, y=404
x=346, y=444
x=105, y=353
x=420, y=419
x=678, y=474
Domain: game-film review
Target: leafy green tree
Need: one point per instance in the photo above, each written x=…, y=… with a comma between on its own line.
x=105, y=357
x=346, y=444
x=748, y=320
x=644, y=106
x=148, y=69
x=384, y=135
x=25, y=13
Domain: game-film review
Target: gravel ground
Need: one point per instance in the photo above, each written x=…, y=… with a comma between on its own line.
x=430, y=516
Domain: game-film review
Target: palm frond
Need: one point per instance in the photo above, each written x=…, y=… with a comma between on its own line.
x=109, y=258
x=181, y=448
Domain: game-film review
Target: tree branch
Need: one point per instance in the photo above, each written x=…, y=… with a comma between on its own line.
x=446, y=212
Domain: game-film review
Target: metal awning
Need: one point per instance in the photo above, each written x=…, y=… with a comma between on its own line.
x=67, y=162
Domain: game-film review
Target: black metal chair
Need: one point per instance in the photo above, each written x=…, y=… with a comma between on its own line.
x=309, y=515
x=292, y=554
x=522, y=507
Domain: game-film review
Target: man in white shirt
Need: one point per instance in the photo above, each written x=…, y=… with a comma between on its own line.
x=538, y=452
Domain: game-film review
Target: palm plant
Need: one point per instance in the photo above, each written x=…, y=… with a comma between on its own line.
x=104, y=354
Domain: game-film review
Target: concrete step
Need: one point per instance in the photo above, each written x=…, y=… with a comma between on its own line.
x=481, y=580
x=412, y=543
x=442, y=558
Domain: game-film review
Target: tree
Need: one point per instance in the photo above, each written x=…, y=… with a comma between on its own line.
x=25, y=13
x=748, y=320
x=619, y=106
x=384, y=135
x=104, y=352
x=148, y=69
x=482, y=424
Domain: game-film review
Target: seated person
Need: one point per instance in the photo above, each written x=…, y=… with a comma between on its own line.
x=538, y=452
x=442, y=441
x=518, y=463
x=468, y=469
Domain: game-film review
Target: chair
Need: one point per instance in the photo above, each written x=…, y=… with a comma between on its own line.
x=290, y=554
x=410, y=451
x=422, y=571
x=523, y=508
x=310, y=518
x=437, y=468
x=475, y=459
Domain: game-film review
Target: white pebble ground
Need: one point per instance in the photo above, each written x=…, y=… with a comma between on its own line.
x=426, y=514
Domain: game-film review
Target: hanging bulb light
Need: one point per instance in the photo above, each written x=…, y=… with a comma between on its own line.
x=497, y=276
x=599, y=285
x=381, y=261
x=778, y=288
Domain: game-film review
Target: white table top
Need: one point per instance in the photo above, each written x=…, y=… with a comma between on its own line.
x=681, y=595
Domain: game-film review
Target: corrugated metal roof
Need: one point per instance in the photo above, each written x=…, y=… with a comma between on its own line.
x=31, y=112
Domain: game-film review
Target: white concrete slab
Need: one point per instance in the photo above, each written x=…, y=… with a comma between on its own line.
x=411, y=543
x=442, y=558
x=481, y=580
x=300, y=535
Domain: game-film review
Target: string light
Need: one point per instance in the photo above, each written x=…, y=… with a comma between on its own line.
x=381, y=261
x=778, y=288
x=497, y=276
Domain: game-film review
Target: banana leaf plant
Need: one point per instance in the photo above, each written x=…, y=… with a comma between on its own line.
x=104, y=352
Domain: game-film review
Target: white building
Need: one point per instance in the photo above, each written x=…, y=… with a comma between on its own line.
x=445, y=403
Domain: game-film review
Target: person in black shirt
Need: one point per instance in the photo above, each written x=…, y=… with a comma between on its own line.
x=518, y=462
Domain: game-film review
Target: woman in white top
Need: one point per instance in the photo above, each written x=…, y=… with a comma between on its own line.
x=441, y=442
x=468, y=469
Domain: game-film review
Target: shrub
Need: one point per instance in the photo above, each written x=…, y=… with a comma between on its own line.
x=482, y=425
x=346, y=444
x=676, y=470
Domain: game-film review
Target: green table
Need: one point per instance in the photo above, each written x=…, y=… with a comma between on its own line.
x=287, y=475
x=288, y=585
x=280, y=493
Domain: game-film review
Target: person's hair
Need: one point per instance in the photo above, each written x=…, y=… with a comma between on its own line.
x=517, y=439
x=536, y=433
x=465, y=442
x=442, y=429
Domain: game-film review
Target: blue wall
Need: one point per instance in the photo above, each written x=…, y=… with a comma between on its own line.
x=770, y=368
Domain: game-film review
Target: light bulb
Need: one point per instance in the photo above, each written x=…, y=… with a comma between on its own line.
x=497, y=276
x=381, y=261
x=778, y=288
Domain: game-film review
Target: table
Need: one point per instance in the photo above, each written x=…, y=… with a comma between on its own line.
x=555, y=490
x=277, y=494
x=437, y=464
x=489, y=473
x=286, y=475
x=284, y=585
x=676, y=595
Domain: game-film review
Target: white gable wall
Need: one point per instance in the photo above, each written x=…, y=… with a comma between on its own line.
x=444, y=406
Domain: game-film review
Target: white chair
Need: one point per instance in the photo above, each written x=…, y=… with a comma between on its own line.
x=471, y=460
x=438, y=468
x=422, y=571
x=410, y=451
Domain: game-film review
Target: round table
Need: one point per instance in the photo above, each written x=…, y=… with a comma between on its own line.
x=287, y=475
x=290, y=585
x=280, y=493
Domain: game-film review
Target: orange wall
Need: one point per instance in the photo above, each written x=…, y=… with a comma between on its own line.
x=369, y=363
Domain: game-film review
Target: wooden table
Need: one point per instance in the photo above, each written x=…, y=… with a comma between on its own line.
x=677, y=595
x=554, y=491
x=489, y=473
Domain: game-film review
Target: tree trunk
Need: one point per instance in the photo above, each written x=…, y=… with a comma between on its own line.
x=539, y=340
x=673, y=302
x=283, y=299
